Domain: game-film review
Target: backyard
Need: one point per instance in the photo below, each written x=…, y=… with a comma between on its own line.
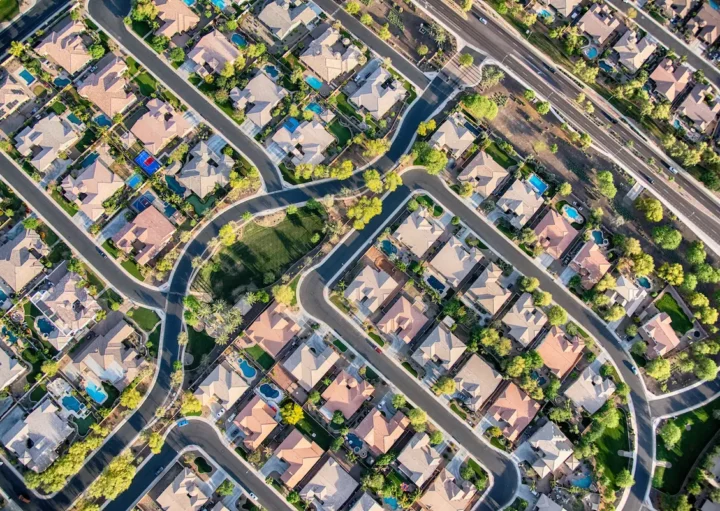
x=680, y=322
x=260, y=356
x=314, y=431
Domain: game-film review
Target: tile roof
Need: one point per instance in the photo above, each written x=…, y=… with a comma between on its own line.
x=327, y=63
x=378, y=93
x=366, y=503
x=625, y=292
x=309, y=367
x=214, y=50
x=477, y=381
x=455, y=260
x=43, y=141
x=10, y=368
x=402, y=319
x=370, y=288
x=262, y=94
x=670, y=80
x=150, y=231
x=70, y=305
x=379, y=433
x=553, y=448
x=590, y=391
x=346, y=394
x=300, y=454
x=106, y=88
x=205, y=170
x=330, y=487
x=696, y=108
x=419, y=231
x=515, y=409
x=223, y=385
x=598, y=22
x=525, y=320
x=20, y=259
x=560, y=352
x=484, y=173
x=565, y=7
x=555, y=234
x=160, y=125
x=12, y=95
x=591, y=264
x=272, y=330
x=633, y=52
x=94, y=185
x=282, y=17
x=440, y=346
x=65, y=47
x=256, y=421
x=521, y=202
x=705, y=24
x=306, y=143
x=488, y=291
x=186, y=492
x=418, y=460
x=659, y=334
x=447, y=493
x=454, y=135
x=176, y=17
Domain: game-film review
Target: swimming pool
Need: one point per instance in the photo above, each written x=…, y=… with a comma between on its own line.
x=313, y=82
x=134, y=181
x=537, y=183
x=269, y=391
x=644, y=282
x=572, y=214
x=62, y=82
x=544, y=13
x=291, y=124
x=175, y=186
x=189, y=3
x=247, y=370
x=598, y=237
x=314, y=107
x=272, y=71
x=27, y=76
x=591, y=52
x=391, y=502
x=677, y=125
x=584, y=482
x=72, y=403
x=11, y=338
x=388, y=247
x=606, y=67
x=96, y=393
x=74, y=119
x=239, y=40
x=45, y=326
x=103, y=121
x=3, y=296
x=354, y=442
x=220, y=4
x=435, y=283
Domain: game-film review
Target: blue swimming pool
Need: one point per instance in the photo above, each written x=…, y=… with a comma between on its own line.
x=72, y=403
x=584, y=482
x=74, y=119
x=605, y=66
x=3, y=296
x=598, y=237
x=291, y=124
x=269, y=391
x=147, y=162
x=314, y=82
x=27, y=76
x=591, y=52
x=544, y=13
x=96, y=393
x=175, y=186
x=220, y=4
x=189, y=3
x=572, y=214
x=436, y=284
x=391, y=502
x=272, y=71
x=247, y=370
x=103, y=121
x=677, y=125
x=168, y=209
x=354, y=442
x=134, y=181
x=239, y=40
x=62, y=82
x=11, y=338
x=644, y=282
x=388, y=247
x=537, y=183
x=45, y=326
x=314, y=107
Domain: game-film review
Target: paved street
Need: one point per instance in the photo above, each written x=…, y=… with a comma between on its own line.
x=40, y=13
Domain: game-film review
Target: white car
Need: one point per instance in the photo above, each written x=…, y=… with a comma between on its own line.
x=253, y=496
x=482, y=20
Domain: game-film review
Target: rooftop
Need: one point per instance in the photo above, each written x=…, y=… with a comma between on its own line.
x=262, y=95
x=223, y=386
x=44, y=141
x=306, y=144
x=309, y=367
x=590, y=391
x=327, y=61
x=670, y=79
x=560, y=352
x=187, y=492
x=455, y=260
x=598, y=22
x=453, y=135
x=553, y=449
x=176, y=17
x=484, y=173
x=555, y=234
x=488, y=290
x=525, y=320
x=346, y=394
x=520, y=201
x=440, y=347
x=419, y=231
x=565, y=7
x=446, y=493
x=272, y=330
x=634, y=53
x=214, y=51
x=282, y=17
x=476, y=381
x=205, y=170
x=697, y=109
x=65, y=47
x=94, y=185
x=403, y=319
x=20, y=259
x=146, y=235
x=515, y=410
x=591, y=264
x=370, y=288
x=659, y=334
x=256, y=421
x=379, y=433
x=10, y=368
x=366, y=503
x=300, y=454
x=160, y=125
x=330, y=487
x=378, y=93
x=106, y=88
x=12, y=95
x=67, y=304
x=418, y=460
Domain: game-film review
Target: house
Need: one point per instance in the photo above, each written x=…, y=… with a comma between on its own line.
x=545, y=503
x=564, y=7
x=378, y=93
x=674, y=8
x=328, y=59
x=176, y=17
x=12, y=95
x=369, y=290
x=696, y=107
x=187, y=492
x=441, y=347
x=554, y=234
x=345, y=394
x=488, y=290
x=670, y=79
x=659, y=334
x=107, y=358
x=258, y=99
x=145, y=235
x=447, y=493
x=309, y=367
x=560, y=352
x=484, y=173
x=306, y=142
x=212, y=52
x=514, y=410
x=590, y=391
x=418, y=460
x=520, y=202
x=633, y=53
x=221, y=389
x=626, y=293
x=35, y=439
x=599, y=23
x=106, y=88
x=455, y=260
x=329, y=488
x=366, y=503
x=255, y=421
x=65, y=47
x=552, y=448
x=476, y=382
x=300, y=455
x=47, y=140
x=94, y=185
x=161, y=124
x=282, y=16
x=206, y=170
x=591, y=264
x=20, y=259
x=419, y=232
x=525, y=320
x=379, y=433
x=10, y=368
x=272, y=330
x=402, y=320
x=705, y=25
x=453, y=136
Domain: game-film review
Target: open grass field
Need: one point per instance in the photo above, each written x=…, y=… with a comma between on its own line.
x=679, y=320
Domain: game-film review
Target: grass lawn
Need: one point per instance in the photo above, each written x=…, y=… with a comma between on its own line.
x=69, y=207
x=94, y=280
x=455, y=408
x=375, y=337
x=132, y=64
x=141, y=28
x=58, y=107
x=199, y=344
x=679, y=320
x=289, y=175
x=315, y=432
x=88, y=138
x=133, y=269
x=260, y=356
x=147, y=84
x=83, y=425
x=609, y=444
x=203, y=467
x=345, y=107
x=145, y=318
x=340, y=345
x=499, y=156
x=154, y=342
x=38, y=393
x=410, y=369
x=342, y=133
x=113, y=395
x=9, y=9
x=702, y=428
x=110, y=249
x=260, y=255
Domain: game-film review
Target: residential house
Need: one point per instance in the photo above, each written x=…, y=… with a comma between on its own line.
x=418, y=459
x=455, y=260
x=366, y=503
x=441, y=347
x=453, y=136
x=599, y=23
x=379, y=433
x=674, y=8
x=300, y=455
x=345, y=394
x=309, y=367
x=66, y=47
x=525, y=320
x=205, y=171
x=176, y=17
x=187, y=492
x=697, y=108
x=591, y=264
x=272, y=330
x=402, y=320
x=520, y=202
x=306, y=143
x=47, y=140
x=633, y=53
x=10, y=368
x=91, y=188
x=670, y=79
x=564, y=7
x=212, y=52
x=419, y=232
x=328, y=58
x=35, y=439
x=329, y=488
x=370, y=289
x=255, y=422
x=476, y=382
x=12, y=95
x=488, y=290
x=545, y=503
x=705, y=25
x=590, y=391
x=552, y=448
x=554, y=234
x=484, y=173
x=378, y=93
x=20, y=260
x=258, y=99
x=514, y=410
x=161, y=124
x=447, y=493
x=221, y=389
x=659, y=335
x=627, y=294
x=282, y=16
x=560, y=352
x=145, y=235
x=106, y=88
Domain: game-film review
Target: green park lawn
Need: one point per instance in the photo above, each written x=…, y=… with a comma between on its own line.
x=612, y=441
x=679, y=320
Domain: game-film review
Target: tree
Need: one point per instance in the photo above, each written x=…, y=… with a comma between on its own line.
x=543, y=107
x=291, y=413
x=529, y=94
x=426, y=127
x=586, y=72
x=115, y=479
x=398, y=401
x=367, y=20
x=130, y=398
x=696, y=253
x=651, y=207
x=50, y=368
x=673, y=274
x=155, y=442
x=614, y=313
x=541, y=298
x=670, y=434
x=639, y=348
x=658, y=368
x=560, y=415
x=643, y=265
x=283, y=294
x=706, y=368
x=515, y=367
x=436, y=437
x=624, y=479
x=191, y=405
x=373, y=180
x=565, y=189
x=434, y=160
x=418, y=419
x=393, y=181
x=363, y=211
x=606, y=184
x=706, y=274
x=467, y=5
x=384, y=32
x=226, y=488
x=352, y=7
x=667, y=237
x=338, y=418
x=227, y=235
x=375, y=147
x=444, y=385
x=17, y=49
x=529, y=284
x=606, y=282
x=465, y=59
x=557, y=316
x=480, y=107
x=97, y=51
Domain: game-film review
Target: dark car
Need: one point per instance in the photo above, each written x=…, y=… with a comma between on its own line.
x=24, y=498
x=647, y=177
